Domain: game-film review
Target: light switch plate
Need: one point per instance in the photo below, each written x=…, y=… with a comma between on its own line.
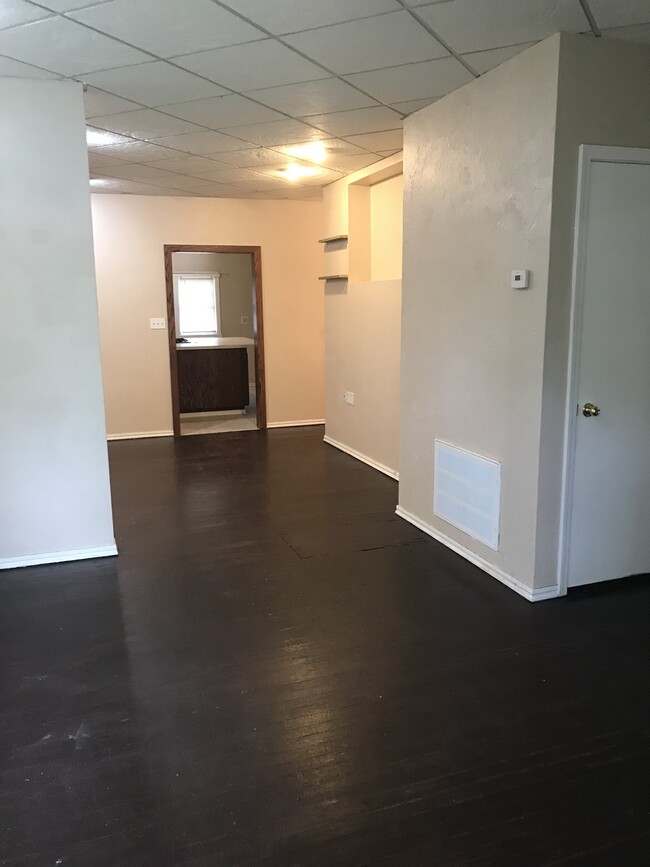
x=157, y=324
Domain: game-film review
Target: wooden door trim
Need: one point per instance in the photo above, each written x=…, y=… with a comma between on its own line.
x=258, y=323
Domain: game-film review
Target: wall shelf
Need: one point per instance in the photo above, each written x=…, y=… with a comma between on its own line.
x=332, y=239
x=334, y=277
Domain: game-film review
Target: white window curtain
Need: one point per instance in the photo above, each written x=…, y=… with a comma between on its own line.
x=197, y=302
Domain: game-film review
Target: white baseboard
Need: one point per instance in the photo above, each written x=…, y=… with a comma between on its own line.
x=58, y=557
x=538, y=595
x=141, y=435
x=387, y=471
x=304, y=423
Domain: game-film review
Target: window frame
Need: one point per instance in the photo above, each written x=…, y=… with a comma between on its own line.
x=215, y=276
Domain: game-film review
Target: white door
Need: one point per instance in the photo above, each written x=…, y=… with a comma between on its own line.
x=609, y=492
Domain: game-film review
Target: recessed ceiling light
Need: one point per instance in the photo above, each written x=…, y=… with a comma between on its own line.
x=314, y=151
x=99, y=182
x=98, y=137
x=294, y=172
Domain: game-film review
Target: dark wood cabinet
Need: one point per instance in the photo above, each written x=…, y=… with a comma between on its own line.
x=212, y=379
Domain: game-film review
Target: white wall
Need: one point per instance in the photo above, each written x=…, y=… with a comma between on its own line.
x=54, y=489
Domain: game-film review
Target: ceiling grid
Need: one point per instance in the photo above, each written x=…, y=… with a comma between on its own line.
x=259, y=99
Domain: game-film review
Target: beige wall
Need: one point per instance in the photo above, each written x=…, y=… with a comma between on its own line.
x=386, y=219
x=235, y=291
x=130, y=232
x=490, y=185
x=478, y=179
x=54, y=490
x=362, y=316
x=603, y=100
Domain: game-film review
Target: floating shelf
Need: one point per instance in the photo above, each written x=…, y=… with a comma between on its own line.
x=334, y=277
x=333, y=238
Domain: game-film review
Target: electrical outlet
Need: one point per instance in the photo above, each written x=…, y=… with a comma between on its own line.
x=245, y=320
x=156, y=324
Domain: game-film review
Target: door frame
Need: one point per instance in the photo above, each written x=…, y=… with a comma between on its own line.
x=589, y=154
x=258, y=323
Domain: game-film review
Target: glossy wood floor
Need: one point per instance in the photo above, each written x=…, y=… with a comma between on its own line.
x=278, y=671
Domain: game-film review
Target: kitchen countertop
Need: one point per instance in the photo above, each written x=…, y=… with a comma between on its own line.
x=217, y=343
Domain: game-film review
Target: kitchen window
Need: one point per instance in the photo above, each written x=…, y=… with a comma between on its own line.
x=197, y=305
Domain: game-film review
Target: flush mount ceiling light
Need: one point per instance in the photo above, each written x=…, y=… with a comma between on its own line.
x=99, y=182
x=294, y=172
x=98, y=137
x=314, y=151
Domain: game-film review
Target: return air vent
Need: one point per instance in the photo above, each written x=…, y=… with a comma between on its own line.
x=467, y=492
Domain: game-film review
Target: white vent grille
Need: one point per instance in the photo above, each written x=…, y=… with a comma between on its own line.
x=467, y=492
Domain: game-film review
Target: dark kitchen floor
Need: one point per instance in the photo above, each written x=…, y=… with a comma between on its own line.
x=278, y=671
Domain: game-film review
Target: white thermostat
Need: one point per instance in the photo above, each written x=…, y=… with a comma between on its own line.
x=520, y=279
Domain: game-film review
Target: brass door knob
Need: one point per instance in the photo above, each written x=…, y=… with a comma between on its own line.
x=590, y=409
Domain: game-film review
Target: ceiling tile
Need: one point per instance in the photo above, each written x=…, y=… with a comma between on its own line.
x=252, y=65
x=99, y=138
x=99, y=161
x=379, y=141
x=287, y=16
x=222, y=111
x=351, y=162
x=117, y=185
x=204, y=142
x=620, y=13
x=372, y=43
x=325, y=174
x=389, y=153
x=636, y=33
x=414, y=81
x=412, y=105
x=66, y=5
x=219, y=191
x=333, y=146
x=181, y=182
x=483, y=61
x=344, y=123
x=135, y=151
x=16, y=69
x=138, y=172
x=228, y=174
x=278, y=132
x=14, y=12
x=96, y=102
x=144, y=124
x=153, y=84
x=314, y=97
x=186, y=165
x=470, y=26
x=65, y=47
x=167, y=27
x=250, y=157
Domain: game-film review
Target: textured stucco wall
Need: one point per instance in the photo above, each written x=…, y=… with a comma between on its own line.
x=478, y=170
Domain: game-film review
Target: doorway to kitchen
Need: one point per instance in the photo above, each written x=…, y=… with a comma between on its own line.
x=216, y=338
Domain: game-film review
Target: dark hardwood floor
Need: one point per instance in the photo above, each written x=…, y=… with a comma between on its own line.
x=278, y=671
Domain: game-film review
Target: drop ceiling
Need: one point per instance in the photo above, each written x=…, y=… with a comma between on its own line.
x=210, y=98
